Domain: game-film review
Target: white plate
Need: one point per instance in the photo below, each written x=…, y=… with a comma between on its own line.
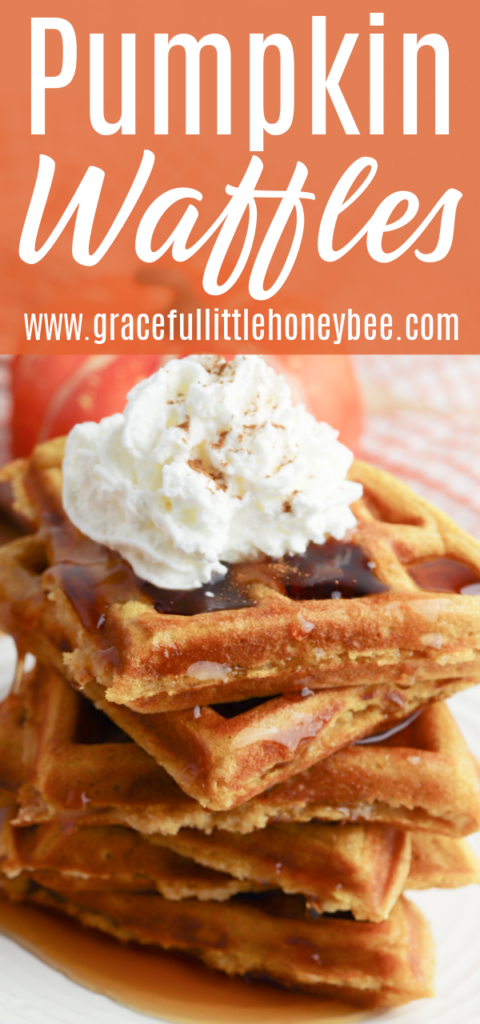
x=33, y=993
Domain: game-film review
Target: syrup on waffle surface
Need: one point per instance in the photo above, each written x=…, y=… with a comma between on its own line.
x=77, y=767
x=410, y=574
x=266, y=935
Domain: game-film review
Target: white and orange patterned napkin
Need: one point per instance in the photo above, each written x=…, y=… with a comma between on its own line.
x=423, y=424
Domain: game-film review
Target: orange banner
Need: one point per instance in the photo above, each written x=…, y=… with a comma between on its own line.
x=255, y=177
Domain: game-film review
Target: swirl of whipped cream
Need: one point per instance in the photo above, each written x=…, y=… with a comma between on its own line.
x=209, y=463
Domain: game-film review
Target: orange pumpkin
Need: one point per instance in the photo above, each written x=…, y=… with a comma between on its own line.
x=52, y=393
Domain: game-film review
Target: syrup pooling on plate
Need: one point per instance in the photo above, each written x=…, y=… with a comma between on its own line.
x=164, y=985
x=446, y=575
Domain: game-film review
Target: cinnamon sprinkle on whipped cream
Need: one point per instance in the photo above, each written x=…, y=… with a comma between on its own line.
x=209, y=463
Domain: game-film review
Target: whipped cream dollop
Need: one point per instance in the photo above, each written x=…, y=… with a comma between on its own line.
x=209, y=463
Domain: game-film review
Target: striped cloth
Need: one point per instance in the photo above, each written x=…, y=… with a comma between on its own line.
x=4, y=408
x=423, y=424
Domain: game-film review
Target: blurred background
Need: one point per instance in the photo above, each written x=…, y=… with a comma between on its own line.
x=416, y=416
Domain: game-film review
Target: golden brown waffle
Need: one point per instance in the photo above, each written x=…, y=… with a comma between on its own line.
x=224, y=755
x=374, y=863
x=422, y=778
x=438, y=862
x=66, y=588
x=110, y=858
x=266, y=935
x=12, y=768
x=362, y=869
x=358, y=868
x=79, y=768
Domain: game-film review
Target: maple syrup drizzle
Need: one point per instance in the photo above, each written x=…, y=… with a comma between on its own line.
x=446, y=575
x=334, y=569
x=378, y=737
x=98, y=577
x=170, y=986
x=225, y=593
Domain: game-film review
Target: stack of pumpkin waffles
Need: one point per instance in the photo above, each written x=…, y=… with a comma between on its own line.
x=255, y=771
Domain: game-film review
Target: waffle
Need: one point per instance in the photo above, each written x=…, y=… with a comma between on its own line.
x=79, y=768
x=357, y=868
x=374, y=862
x=422, y=778
x=362, y=869
x=265, y=935
x=441, y=863
x=225, y=754
x=222, y=761
x=12, y=772
x=235, y=727
x=110, y=858
x=62, y=586
x=222, y=755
